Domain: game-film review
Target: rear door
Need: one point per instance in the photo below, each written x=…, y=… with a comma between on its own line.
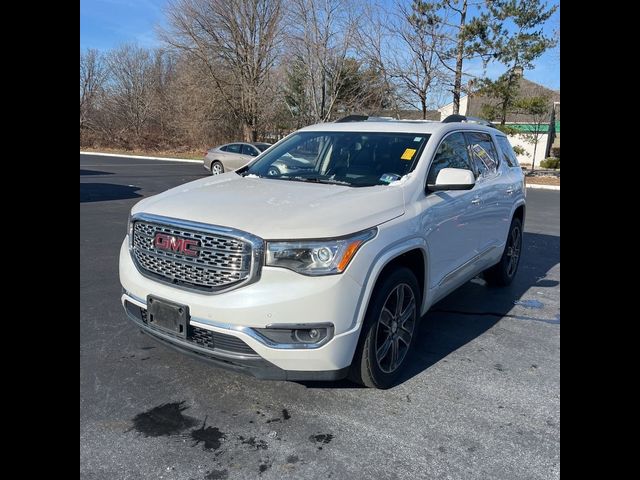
x=234, y=157
x=491, y=186
x=515, y=187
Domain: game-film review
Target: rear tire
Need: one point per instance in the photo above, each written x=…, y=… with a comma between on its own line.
x=388, y=330
x=503, y=272
x=217, y=168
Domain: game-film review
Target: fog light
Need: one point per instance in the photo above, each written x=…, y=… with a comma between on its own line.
x=311, y=335
x=285, y=335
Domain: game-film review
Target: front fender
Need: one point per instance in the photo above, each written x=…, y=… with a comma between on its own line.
x=377, y=265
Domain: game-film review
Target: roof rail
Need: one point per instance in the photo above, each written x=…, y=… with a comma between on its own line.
x=369, y=118
x=463, y=118
x=353, y=118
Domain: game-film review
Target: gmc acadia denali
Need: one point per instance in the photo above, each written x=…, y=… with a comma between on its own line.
x=324, y=271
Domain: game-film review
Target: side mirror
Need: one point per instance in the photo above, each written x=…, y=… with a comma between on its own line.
x=453, y=179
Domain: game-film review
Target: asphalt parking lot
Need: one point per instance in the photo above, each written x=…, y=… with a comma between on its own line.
x=480, y=399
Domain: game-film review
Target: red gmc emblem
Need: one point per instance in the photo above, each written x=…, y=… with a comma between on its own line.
x=176, y=244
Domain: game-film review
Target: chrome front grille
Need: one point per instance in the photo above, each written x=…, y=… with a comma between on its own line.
x=221, y=261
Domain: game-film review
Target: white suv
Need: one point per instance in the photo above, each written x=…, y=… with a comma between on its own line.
x=325, y=271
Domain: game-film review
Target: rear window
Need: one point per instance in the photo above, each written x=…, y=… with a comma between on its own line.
x=508, y=154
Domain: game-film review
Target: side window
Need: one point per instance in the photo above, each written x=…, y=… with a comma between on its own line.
x=225, y=148
x=452, y=153
x=483, y=153
x=310, y=149
x=508, y=154
x=233, y=148
x=249, y=150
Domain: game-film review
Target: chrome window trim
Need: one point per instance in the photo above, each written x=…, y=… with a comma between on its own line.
x=257, y=248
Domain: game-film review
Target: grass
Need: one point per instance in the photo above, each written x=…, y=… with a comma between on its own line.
x=180, y=154
x=543, y=180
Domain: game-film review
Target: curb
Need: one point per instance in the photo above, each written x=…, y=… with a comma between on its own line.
x=545, y=187
x=121, y=155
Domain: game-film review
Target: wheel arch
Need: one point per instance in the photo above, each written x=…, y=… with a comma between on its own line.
x=217, y=160
x=412, y=254
x=519, y=211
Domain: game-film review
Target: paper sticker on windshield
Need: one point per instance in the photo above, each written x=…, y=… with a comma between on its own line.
x=408, y=154
x=389, y=177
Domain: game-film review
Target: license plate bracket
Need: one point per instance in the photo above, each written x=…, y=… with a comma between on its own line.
x=167, y=316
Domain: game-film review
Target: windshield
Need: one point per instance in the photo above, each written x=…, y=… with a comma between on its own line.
x=262, y=146
x=357, y=159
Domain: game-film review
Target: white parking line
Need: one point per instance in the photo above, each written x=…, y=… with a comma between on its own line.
x=163, y=159
x=544, y=187
x=124, y=165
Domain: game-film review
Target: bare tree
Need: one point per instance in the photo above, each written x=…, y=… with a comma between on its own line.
x=321, y=34
x=131, y=89
x=93, y=74
x=236, y=40
x=374, y=39
x=199, y=116
x=412, y=59
x=162, y=71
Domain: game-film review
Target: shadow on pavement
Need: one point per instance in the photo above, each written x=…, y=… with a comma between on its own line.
x=473, y=309
x=100, y=192
x=93, y=172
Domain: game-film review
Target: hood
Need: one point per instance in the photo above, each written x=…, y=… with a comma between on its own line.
x=278, y=209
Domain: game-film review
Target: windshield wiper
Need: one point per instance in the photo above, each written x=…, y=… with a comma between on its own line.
x=315, y=180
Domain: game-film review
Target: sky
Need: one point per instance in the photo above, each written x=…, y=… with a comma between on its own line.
x=105, y=24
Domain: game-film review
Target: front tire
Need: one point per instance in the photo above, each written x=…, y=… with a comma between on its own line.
x=217, y=168
x=274, y=171
x=503, y=272
x=388, y=330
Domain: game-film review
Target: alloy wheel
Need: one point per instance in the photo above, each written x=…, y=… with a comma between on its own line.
x=513, y=251
x=395, y=328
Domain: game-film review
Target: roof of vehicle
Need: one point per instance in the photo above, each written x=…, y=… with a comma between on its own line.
x=244, y=143
x=400, y=126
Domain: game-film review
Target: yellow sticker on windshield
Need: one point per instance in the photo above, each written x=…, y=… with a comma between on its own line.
x=408, y=154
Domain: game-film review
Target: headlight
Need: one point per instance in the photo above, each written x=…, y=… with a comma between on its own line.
x=317, y=257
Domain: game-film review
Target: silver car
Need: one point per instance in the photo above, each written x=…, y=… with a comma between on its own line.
x=232, y=156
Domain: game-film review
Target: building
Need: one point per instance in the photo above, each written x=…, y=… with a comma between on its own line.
x=472, y=104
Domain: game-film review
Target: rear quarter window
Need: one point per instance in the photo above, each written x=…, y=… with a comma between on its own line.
x=483, y=153
x=507, y=152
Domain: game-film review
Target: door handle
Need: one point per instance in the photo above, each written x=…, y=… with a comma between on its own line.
x=475, y=201
x=510, y=190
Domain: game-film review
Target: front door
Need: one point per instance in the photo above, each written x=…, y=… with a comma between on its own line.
x=449, y=218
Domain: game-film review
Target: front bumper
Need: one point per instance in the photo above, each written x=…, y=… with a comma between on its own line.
x=243, y=362
x=279, y=297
